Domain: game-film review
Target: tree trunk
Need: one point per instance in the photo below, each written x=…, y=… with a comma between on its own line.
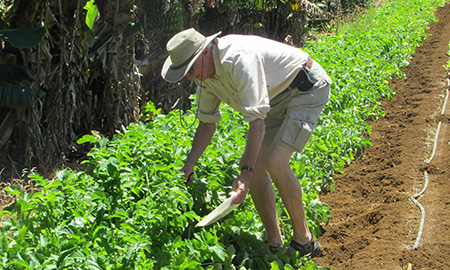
x=88, y=86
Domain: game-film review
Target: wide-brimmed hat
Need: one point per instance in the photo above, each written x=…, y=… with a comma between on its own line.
x=184, y=48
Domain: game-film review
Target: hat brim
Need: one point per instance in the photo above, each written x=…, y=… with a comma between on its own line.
x=174, y=75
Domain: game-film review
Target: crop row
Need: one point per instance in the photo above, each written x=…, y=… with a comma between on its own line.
x=131, y=210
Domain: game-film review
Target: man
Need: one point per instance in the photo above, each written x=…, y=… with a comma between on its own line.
x=280, y=91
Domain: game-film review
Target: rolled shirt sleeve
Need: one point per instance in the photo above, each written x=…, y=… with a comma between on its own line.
x=208, y=107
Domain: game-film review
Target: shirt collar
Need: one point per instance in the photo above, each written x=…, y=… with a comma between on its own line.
x=217, y=62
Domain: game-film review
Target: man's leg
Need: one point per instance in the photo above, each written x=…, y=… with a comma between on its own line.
x=278, y=166
x=263, y=196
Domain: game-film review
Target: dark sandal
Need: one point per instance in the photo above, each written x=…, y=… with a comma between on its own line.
x=273, y=249
x=313, y=248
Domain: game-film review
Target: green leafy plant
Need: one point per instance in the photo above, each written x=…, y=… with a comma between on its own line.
x=91, y=13
x=12, y=94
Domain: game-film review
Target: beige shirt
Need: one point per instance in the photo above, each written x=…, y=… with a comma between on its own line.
x=250, y=70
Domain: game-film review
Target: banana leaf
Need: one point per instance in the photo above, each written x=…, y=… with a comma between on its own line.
x=12, y=73
x=15, y=95
x=91, y=13
x=23, y=38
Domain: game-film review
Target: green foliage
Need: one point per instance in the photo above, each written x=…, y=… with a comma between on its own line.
x=14, y=95
x=11, y=73
x=91, y=13
x=11, y=93
x=361, y=59
x=23, y=38
x=352, y=5
x=131, y=210
x=164, y=16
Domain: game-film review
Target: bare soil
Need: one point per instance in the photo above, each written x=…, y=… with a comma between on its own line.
x=374, y=223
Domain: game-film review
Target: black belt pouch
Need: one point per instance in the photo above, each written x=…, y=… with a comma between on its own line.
x=303, y=81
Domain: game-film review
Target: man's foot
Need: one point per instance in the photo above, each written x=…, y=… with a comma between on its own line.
x=313, y=248
x=273, y=249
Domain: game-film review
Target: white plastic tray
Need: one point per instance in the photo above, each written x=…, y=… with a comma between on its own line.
x=222, y=210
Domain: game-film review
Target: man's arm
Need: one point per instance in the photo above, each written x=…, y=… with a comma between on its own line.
x=254, y=140
x=202, y=139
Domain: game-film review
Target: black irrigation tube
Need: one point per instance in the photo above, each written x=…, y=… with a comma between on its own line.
x=414, y=198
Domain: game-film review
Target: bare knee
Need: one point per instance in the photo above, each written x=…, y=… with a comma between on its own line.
x=271, y=164
x=276, y=167
x=277, y=160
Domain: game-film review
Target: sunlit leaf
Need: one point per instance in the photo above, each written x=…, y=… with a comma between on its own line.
x=91, y=13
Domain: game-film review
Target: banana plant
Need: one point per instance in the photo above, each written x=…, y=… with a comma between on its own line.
x=12, y=93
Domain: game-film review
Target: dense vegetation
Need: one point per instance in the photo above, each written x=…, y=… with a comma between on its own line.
x=130, y=209
x=98, y=62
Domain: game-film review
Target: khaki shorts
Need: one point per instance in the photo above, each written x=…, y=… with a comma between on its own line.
x=293, y=115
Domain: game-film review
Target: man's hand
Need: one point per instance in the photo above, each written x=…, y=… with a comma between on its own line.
x=188, y=170
x=240, y=185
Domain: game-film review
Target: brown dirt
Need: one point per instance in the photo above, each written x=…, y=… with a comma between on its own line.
x=374, y=224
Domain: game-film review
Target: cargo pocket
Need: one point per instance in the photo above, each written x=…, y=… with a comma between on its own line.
x=297, y=134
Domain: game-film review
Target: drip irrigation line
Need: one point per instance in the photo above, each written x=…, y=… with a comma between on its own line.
x=438, y=130
x=414, y=198
x=422, y=210
x=425, y=173
x=446, y=98
x=435, y=144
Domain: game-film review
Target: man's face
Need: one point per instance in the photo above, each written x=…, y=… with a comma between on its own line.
x=208, y=67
